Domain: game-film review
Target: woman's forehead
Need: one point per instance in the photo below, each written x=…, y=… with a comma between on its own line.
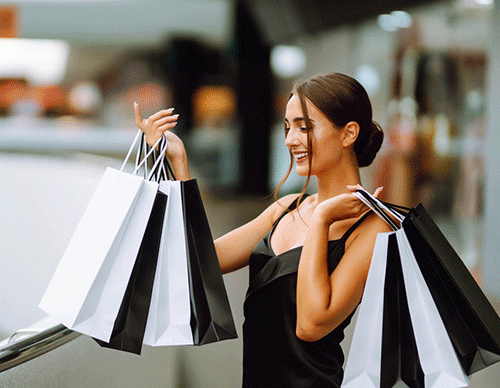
x=294, y=108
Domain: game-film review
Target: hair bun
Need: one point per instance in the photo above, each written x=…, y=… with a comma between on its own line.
x=371, y=146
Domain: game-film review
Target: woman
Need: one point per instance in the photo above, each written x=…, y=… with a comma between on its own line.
x=308, y=255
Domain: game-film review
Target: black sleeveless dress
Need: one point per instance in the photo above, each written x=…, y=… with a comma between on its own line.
x=273, y=356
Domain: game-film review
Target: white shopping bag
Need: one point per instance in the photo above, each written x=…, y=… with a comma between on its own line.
x=169, y=320
x=87, y=287
x=439, y=362
x=363, y=363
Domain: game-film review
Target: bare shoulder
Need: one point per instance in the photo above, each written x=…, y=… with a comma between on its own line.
x=282, y=204
x=370, y=227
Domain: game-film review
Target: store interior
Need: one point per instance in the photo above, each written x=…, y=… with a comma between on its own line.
x=73, y=70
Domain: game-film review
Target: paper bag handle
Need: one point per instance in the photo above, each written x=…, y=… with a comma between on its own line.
x=380, y=208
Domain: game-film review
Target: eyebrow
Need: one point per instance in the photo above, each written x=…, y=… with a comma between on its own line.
x=298, y=119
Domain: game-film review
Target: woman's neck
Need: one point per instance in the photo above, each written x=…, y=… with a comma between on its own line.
x=336, y=182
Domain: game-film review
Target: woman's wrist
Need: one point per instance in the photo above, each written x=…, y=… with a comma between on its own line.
x=181, y=168
x=322, y=217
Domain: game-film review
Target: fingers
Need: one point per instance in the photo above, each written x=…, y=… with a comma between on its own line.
x=378, y=191
x=162, y=121
x=138, y=117
x=160, y=114
x=353, y=188
x=167, y=122
x=155, y=125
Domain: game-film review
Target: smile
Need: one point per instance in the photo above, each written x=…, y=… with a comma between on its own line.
x=300, y=157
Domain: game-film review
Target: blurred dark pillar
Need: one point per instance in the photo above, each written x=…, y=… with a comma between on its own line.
x=255, y=101
x=183, y=63
x=186, y=65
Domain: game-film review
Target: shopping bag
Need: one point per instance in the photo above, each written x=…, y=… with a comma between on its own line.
x=400, y=365
x=383, y=350
x=169, y=320
x=87, y=288
x=211, y=317
x=439, y=361
x=362, y=368
x=130, y=324
x=471, y=322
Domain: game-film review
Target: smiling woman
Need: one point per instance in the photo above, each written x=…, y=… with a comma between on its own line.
x=308, y=259
x=317, y=108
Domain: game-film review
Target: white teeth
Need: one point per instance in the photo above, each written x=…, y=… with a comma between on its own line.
x=300, y=156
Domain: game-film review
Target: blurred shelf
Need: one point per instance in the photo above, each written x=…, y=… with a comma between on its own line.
x=44, y=138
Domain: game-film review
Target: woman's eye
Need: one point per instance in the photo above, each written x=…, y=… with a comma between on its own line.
x=303, y=129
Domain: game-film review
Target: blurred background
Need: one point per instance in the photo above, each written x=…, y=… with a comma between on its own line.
x=70, y=71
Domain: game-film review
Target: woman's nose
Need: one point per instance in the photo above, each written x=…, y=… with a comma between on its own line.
x=291, y=138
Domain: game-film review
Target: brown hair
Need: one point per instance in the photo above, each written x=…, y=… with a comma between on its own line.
x=342, y=99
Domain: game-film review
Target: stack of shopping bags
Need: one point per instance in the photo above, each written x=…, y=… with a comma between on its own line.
x=141, y=266
x=423, y=320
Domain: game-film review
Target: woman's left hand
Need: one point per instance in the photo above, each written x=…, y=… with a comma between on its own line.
x=343, y=206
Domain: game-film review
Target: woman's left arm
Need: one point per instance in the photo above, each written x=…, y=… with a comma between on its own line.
x=324, y=301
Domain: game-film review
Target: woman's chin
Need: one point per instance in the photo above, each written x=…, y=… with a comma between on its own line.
x=302, y=171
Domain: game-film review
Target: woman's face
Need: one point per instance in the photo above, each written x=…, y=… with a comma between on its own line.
x=325, y=139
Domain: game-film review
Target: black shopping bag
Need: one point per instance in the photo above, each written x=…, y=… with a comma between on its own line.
x=400, y=362
x=470, y=320
x=130, y=323
x=212, y=319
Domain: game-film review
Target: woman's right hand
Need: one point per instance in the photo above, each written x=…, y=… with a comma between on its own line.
x=158, y=125
x=342, y=206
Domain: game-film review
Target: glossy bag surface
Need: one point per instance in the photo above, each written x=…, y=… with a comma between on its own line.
x=211, y=316
x=440, y=364
x=471, y=322
x=400, y=364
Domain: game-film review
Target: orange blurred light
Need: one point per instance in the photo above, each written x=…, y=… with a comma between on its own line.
x=211, y=102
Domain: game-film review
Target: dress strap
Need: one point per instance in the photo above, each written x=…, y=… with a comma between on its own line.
x=355, y=225
x=295, y=204
x=290, y=208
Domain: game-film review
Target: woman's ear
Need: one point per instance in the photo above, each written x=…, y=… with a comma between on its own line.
x=350, y=133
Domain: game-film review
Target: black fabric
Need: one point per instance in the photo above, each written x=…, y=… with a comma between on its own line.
x=400, y=362
x=130, y=324
x=273, y=356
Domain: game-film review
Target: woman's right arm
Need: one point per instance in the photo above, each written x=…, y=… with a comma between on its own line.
x=234, y=248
